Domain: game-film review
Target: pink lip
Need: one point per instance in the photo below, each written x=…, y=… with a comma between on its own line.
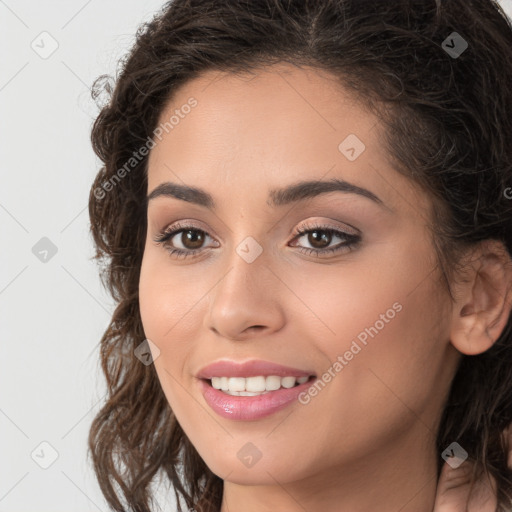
x=253, y=368
x=247, y=408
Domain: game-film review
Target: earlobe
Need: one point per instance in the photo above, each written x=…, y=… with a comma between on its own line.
x=484, y=301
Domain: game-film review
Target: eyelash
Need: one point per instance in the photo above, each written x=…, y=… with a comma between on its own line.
x=351, y=240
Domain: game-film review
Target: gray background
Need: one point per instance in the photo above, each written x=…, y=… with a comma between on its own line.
x=52, y=306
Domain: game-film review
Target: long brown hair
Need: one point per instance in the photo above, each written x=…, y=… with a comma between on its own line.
x=448, y=127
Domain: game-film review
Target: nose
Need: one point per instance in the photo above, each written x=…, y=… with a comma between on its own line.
x=246, y=302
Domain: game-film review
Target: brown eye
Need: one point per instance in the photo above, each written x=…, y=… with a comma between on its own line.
x=320, y=238
x=192, y=238
x=182, y=240
x=188, y=239
x=319, y=241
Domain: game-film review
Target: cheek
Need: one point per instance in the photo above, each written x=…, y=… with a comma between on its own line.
x=393, y=366
x=160, y=307
x=165, y=302
x=388, y=321
x=168, y=296
x=172, y=302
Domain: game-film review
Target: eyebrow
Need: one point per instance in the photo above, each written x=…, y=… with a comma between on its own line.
x=277, y=197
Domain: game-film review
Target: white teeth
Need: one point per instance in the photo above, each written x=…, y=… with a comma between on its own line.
x=236, y=384
x=255, y=384
x=288, y=382
x=252, y=386
x=272, y=382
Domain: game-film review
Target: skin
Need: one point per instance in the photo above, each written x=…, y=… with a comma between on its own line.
x=372, y=427
x=454, y=493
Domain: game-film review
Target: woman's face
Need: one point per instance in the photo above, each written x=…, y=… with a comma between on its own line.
x=369, y=322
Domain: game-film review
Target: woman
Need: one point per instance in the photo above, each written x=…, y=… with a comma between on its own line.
x=279, y=343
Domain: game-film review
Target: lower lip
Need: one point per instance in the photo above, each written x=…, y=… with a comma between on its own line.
x=247, y=408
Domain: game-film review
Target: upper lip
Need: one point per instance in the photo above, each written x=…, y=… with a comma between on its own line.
x=253, y=368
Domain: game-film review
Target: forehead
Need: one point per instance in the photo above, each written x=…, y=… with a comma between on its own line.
x=266, y=129
x=279, y=110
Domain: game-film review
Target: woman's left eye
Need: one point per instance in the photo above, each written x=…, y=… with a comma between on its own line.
x=325, y=235
x=192, y=238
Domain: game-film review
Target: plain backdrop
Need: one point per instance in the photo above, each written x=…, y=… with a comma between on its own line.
x=52, y=305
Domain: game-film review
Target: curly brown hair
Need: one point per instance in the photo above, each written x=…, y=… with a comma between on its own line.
x=448, y=128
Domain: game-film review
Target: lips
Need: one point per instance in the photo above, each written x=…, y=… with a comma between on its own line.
x=250, y=406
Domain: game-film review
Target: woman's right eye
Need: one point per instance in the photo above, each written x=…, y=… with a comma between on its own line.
x=189, y=235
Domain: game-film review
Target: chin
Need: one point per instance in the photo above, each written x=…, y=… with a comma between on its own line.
x=246, y=476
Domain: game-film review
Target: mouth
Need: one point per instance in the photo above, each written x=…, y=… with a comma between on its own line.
x=251, y=390
x=237, y=404
x=256, y=385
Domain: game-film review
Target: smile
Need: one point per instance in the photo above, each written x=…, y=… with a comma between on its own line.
x=254, y=386
x=250, y=390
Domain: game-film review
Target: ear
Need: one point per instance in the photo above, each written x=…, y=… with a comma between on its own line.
x=483, y=300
